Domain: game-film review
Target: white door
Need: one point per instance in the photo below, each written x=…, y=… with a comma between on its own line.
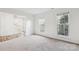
x=28, y=27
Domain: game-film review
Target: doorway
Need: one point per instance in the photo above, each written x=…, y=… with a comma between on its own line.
x=28, y=27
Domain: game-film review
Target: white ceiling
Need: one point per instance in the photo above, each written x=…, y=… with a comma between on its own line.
x=33, y=10
x=25, y=10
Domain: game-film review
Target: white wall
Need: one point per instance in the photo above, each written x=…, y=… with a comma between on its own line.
x=6, y=24
x=51, y=24
x=74, y=22
x=7, y=21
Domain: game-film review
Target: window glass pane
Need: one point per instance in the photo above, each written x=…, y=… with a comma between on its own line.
x=63, y=25
x=42, y=25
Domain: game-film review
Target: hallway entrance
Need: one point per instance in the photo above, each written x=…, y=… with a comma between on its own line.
x=28, y=27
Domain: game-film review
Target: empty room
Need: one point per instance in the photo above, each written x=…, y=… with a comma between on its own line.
x=39, y=29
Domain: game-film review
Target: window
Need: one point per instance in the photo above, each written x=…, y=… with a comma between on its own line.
x=42, y=25
x=63, y=24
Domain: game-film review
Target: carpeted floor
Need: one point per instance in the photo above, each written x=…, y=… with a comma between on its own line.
x=37, y=43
